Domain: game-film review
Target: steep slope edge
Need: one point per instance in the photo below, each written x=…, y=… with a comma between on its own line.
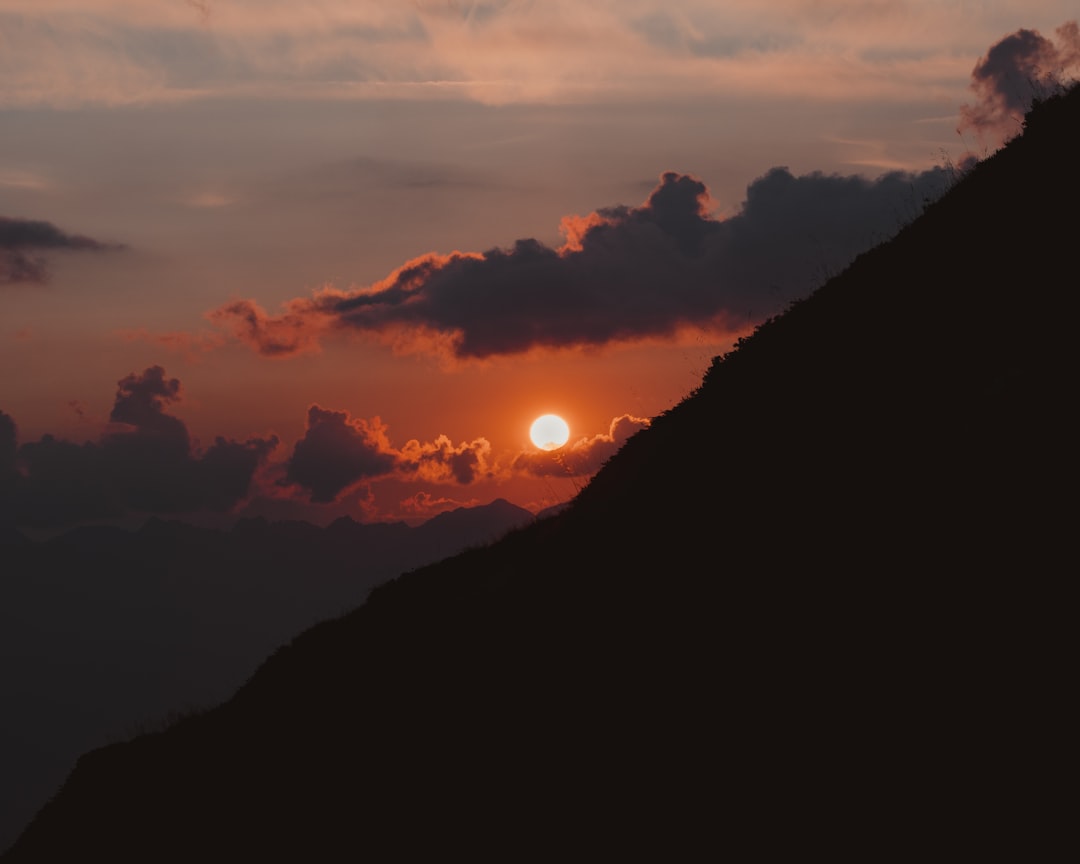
x=811, y=607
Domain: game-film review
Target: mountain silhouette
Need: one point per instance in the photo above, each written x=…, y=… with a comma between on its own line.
x=815, y=607
x=105, y=631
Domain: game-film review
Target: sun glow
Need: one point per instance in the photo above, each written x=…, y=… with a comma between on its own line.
x=549, y=432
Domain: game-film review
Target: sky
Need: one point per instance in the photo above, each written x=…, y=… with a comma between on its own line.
x=302, y=260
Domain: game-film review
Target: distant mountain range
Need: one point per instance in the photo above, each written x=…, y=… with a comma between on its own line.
x=104, y=632
x=820, y=608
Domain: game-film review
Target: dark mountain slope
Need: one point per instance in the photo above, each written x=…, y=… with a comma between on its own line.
x=816, y=606
x=104, y=631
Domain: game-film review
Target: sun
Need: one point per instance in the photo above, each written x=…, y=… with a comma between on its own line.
x=549, y=432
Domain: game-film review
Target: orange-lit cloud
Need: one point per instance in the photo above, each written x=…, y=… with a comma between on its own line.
x=442, y=461
x=338, y=451
x=582, y=457
x=575, y=229
x=296, y=331
x=426, y=505
x=624, y=274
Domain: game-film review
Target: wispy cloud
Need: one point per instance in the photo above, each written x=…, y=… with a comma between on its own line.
x=23, y=240
x=121, y=50
x=190, y=346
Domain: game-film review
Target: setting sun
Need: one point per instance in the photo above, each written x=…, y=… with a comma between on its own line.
x=549, y=432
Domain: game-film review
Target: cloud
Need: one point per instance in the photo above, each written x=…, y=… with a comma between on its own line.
x=22, y=239
x=1017, y=69
x=296, y=331
x=427, y=505
x=442, y=461
x=584, y=456
x=336, y=452
x=123, y=51
x=144, y=462
x=140, y=405
x=339, y=455
x=623, y=274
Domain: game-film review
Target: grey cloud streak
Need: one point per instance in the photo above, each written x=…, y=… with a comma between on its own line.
x=21, y=241
x=624, y=274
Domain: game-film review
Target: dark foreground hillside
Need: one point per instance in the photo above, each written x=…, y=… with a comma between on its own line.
x=819, y=606
x=104, y=631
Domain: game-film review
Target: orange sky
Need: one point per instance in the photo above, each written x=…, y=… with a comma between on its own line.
x=172, y=172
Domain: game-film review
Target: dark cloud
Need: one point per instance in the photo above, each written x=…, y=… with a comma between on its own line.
x=1021, y=67
x=584, y=456
x=336, y=452
x=143, y=463
x=22, y=239
x=224, y=472
x=623, y=274
x=140, y=404
x=32, y=234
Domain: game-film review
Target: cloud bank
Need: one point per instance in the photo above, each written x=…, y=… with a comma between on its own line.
x=22, y=241
x=144, y=462
x=623, y=274
x=121, y=51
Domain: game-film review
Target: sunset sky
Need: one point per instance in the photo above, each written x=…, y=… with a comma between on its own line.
x=302, y=259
